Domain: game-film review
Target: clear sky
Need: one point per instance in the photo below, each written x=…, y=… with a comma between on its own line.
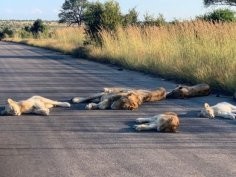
x=48, y=9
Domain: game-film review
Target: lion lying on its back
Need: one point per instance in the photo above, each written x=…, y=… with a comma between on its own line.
x=121, y=98
x=36, y=104
x=184, y=91
x=166, y=122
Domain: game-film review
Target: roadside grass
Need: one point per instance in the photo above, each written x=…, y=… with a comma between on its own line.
x=65, y=40
x=190, y=52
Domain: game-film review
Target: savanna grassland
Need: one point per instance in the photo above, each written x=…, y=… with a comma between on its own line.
x=193, y=52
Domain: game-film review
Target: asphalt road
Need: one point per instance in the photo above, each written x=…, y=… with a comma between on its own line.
x=73, y=142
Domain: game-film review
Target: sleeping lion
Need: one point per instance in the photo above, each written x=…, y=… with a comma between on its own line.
x=222, y=109
x=183, y=91
x=36, y=105
x=166, y=122
x=121, y=98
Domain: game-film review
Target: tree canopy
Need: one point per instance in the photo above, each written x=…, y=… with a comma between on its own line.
x=220, y=2
x=72, y=12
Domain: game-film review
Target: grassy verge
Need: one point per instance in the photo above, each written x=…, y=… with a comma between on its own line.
x=193, y=52
x=65, y=40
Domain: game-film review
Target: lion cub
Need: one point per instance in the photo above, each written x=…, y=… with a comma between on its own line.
x=36, y=104
x=223, y=109
x=121, y=98
x=166, y=122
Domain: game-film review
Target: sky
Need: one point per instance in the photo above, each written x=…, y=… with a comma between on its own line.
x=49, y=9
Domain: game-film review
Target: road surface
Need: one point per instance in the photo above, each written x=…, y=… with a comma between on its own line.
x=73, y=142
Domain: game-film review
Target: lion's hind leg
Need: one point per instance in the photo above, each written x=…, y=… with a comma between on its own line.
x=115, y=89
x=50, y=103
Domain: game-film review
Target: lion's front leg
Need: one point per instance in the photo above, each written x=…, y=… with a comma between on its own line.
x=91, y=106
x=148, y=126
x=105, y=104
x=145, y=120
x=227, y=115
x=92, y=98
x=40, y=111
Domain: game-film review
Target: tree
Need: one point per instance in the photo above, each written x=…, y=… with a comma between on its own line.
x=219, y=15
x=102, y=16
x=93, y=19
x=220, y=2
x=111, y=16
x=131, y=18
x=72, y=12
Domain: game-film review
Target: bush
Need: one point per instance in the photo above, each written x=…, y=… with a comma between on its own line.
x=102, y=16
x=219, y=15
x=24, y=34
x=150, y=20
x=6, y=33
x=38, y=28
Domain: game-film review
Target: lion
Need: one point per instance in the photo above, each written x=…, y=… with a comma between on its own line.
x=36, y=105
x=121, y=98
x=166, y=122
x=223, y=109
x=183, y=91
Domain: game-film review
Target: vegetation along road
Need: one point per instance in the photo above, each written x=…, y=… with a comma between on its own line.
x=74, y=142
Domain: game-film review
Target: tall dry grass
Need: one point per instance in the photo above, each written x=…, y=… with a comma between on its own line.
x=192, y=51
x=66, y=40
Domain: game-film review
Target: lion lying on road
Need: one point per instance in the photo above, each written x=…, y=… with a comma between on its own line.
x=36, y=104
x=223, y=109
x=184, y=91
x=121, y=98
x=166, y=122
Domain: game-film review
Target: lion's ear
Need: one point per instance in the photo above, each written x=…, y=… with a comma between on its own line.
x=206, y=105
x=10, y=101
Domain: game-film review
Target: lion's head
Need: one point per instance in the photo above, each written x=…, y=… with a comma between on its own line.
x=130, y=101
x=207, y=111
x=12, y=108
x=170, y=123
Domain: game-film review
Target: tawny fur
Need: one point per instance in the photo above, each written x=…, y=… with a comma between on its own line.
x=184, y=91
x=166, y=122
x=121, y=98
x=223, y=109
x=36, y=105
